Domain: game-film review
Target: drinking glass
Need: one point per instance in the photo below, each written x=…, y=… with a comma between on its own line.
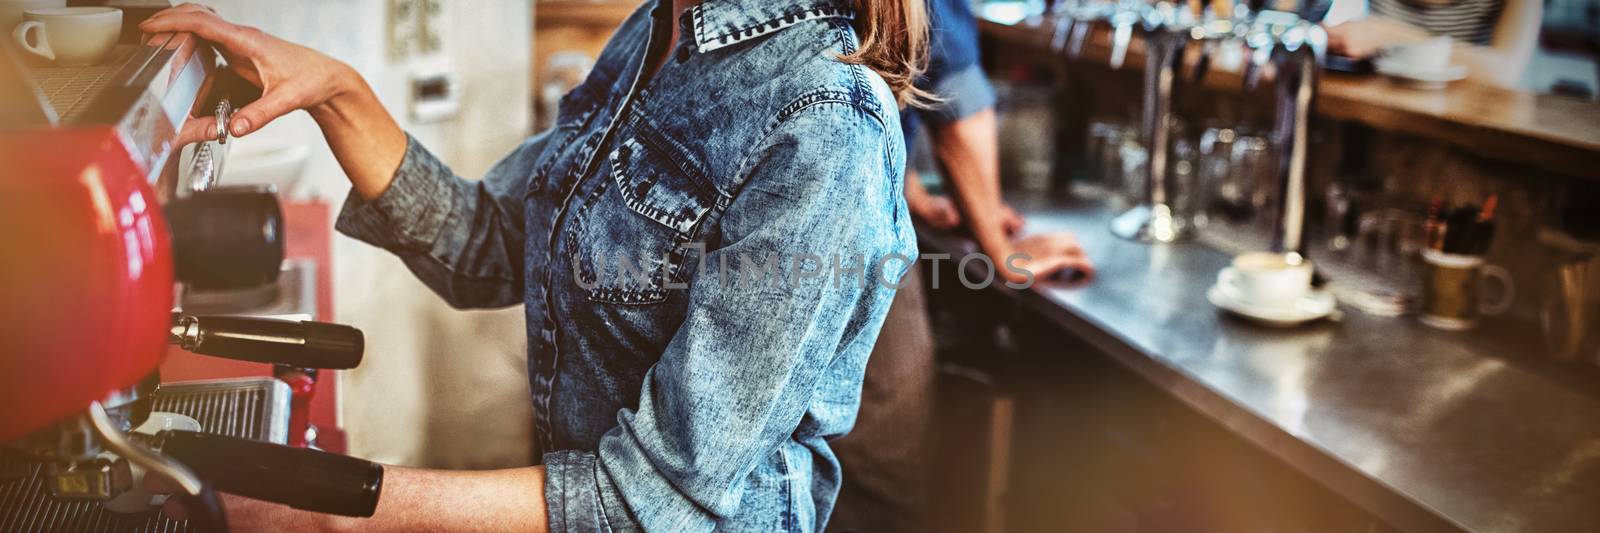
x=1216, y=148
x=1248, y=184
x=1104, y=136
x=1131, y=162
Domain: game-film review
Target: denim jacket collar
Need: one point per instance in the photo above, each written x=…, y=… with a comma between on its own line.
x=720, y=23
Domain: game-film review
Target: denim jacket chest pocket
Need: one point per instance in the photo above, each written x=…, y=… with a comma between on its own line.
x=560, y=160
x=635, y=232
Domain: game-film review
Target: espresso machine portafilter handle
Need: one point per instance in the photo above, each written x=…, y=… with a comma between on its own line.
x=303, y=344
x=301, y=478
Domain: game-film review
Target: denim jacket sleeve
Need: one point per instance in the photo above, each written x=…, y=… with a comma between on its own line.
x=462, y=238
x=743, y=369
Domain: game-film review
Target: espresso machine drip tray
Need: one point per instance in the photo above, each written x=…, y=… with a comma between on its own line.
x=252, y=408
x=70, y=90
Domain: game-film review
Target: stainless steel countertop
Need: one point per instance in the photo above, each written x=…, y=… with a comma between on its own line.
x=1428, y=430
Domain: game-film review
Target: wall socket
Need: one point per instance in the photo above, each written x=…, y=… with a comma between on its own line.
x=416, y=28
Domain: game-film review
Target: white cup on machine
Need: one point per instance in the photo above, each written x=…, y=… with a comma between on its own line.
x=1267, y=280
x=69, y=36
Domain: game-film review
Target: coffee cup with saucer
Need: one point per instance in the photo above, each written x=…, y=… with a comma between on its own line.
x=1424, y=64
x=1271, y=288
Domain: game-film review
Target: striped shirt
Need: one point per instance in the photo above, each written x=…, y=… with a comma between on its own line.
x=1469, y=21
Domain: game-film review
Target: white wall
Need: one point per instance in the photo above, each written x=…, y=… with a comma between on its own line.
x=438, y=387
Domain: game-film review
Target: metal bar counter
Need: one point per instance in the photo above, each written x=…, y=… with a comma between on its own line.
x=1427, y=430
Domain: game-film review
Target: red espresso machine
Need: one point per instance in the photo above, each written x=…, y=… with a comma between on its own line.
x=99, y=229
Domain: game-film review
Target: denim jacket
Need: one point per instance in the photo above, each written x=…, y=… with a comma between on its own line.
x=705, y=259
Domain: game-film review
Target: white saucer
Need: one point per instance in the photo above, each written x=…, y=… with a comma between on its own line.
x=1422, y=79
x=1315, y=305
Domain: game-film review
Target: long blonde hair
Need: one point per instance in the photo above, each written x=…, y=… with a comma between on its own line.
x=894, y=43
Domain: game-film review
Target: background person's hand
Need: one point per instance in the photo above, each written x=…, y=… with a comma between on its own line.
x=935, y=210
x=1010, y=220
x=290, y=76
x=1050, y=254
x=1367, y=37
x=940, y=212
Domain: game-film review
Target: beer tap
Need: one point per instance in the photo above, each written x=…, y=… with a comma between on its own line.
x=1167, y=29
x=1295, y=47
x=1064, y=12
x=1123, y=18
x=1075, y=19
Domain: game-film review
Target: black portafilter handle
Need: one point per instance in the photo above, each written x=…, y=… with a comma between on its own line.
x=227, y=237
x=302, y=478
x=205, y=511
x=302, y=344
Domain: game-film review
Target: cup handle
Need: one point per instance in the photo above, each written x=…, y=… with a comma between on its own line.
x=1508, y=291
x=21, y=35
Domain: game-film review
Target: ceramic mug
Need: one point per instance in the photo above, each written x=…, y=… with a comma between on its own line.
x=1452, y=290
x=70, y=36
x=1268, y=279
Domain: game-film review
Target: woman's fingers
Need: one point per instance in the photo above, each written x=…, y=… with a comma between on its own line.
x=244, y=122
x=197, y=129
x=258, y=114
x=204, y=23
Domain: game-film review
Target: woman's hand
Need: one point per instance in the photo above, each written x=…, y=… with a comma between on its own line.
x=365, y=139
x=290, y=76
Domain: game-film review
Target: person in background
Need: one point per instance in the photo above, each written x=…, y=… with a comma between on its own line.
x=884, y=456
x=1495, y=38
x=691, y=398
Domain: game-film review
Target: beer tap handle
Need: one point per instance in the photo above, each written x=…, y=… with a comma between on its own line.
x=1080, y=33
x=1260, y=56
x=1065, y=24
x=1120, y=38
x=1202, y=64
x=1317, y=39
